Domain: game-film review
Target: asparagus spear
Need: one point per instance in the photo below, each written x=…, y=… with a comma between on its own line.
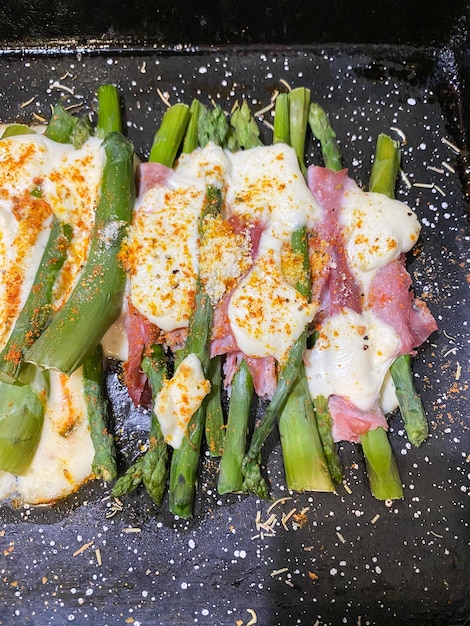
x=215, y=426
x=155, y=461
x=281, y=133
x=191, y=140
x=230, y=473
x=323, y=131
x=185, y=460
x=104, y=460
x=299, y=101
x=17, y=129
x=109, y=111
x=382, y=180
x=66, y=128
x=22, y=409
x=130, y=480
x=385, y=482
x=35, y=314
x=304, y=459
x=96, y=300
x=169, y=135
x=253, y=481
x=245, y=126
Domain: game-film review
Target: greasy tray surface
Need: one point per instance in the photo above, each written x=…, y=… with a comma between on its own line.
x=352, y=559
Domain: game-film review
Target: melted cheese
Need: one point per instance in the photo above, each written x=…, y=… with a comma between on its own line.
x=65, y=453
x=266, y=314
x=180, y=398
x=164, y=240
x=376, y=230
x=68, y=181
x=351, y=358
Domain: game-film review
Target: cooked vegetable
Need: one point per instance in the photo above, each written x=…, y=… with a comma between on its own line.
x=170, y=134
x=323, y=131
x=155, y=460
x=22, y=408
x=185, y=460
x=383, y=180
x=104, y=462
x=230, y=471
x=35, y=314
x=96, y=301
x=215, y=424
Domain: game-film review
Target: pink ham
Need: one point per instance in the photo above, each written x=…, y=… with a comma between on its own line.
x=328, y=189
x=262, y=370
x=150, y=175
x=349, y=422
x=141, y=335
x=391, y=299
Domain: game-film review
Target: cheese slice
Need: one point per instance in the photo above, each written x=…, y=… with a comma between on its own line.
x=180, y=398
x=351, y=358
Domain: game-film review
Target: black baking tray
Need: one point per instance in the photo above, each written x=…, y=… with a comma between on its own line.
x=340, y=563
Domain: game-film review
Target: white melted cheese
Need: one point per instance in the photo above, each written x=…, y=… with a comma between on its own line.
x=69, y=183
x=351, y=358
x=163, y=241
x=267, y=184
x=376, y=231
x=180, y=398
x=266, y=314
x=64, y=456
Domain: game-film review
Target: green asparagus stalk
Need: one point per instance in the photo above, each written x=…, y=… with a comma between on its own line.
x=281, y=133
x=35, y=314
x=185, y=459
x=323, y=131
x=304, y=460
x=230, y=474
x=253, y=481
x=95, y=302
x=109, y=111
x=191, y=140
x=245, y=126
x=104, y=460
x=64, y=127
x=155, y=461
x=22, y=409
x=382, y=180
x=215, y=426
x=12, y=130
x=411, y=407
x=170, y=134
x=213, y=126
x=130, y=480
x=384, y=479
x=299, y=102
x=385, y=167
x=325, y=424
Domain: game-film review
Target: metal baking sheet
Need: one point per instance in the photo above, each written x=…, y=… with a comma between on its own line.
x=348, y=558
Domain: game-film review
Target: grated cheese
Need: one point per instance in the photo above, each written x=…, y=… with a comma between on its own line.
x=83, y=548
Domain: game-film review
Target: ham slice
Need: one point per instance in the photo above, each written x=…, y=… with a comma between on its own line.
x=328, y=189
x=391, y=299
x=349, y=422
x=150, y=175
x=141, y=335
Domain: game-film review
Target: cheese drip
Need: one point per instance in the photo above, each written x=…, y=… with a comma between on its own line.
x=180, y=398
x=267, y=315
x=161, y=254
x=40, y=178
x=351, y=358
